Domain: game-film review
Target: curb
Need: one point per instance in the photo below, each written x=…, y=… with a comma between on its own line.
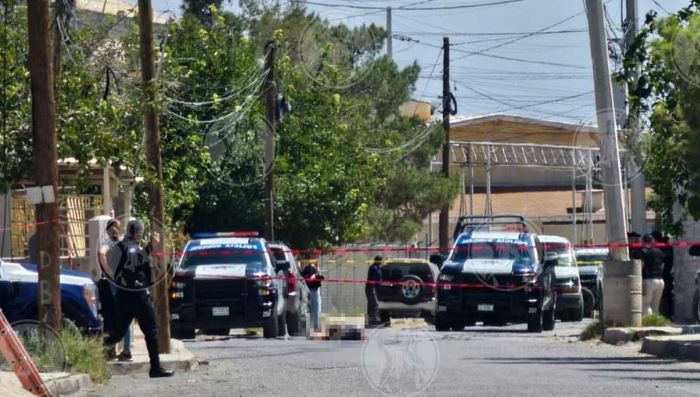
x=621, y=336
x=680, y=348
x=68, y=385
x=180, y=359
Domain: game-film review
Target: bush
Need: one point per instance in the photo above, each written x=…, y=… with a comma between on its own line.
x=655, y=320
x=593, y=331
x=85, y=355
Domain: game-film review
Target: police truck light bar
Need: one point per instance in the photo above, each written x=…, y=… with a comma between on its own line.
x=225, y=234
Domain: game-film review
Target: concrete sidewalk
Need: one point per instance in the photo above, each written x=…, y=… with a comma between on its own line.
x=676, y=342
x=682, y=347
x=59, y=383
x=179, y=359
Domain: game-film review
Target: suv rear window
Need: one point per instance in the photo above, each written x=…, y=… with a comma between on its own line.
x=396, y=271
x=491, y=250
x=253, y=259
x=566, y=254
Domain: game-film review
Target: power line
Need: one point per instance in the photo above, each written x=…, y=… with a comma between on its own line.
x=523, y=37
x=535, y=33
x=405, y=8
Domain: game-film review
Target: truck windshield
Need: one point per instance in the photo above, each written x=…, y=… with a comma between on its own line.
x=517, y=251
x=566, y=255
x=253, y=259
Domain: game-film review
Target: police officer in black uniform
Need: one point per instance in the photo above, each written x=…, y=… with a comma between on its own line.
x=133, y=277
x=374, y=277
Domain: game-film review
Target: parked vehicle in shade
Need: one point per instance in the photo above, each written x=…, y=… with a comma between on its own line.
x=590, y=268
x=296, y=293
x=407, y=289
x=566, y=283
x=496, y=273
x=224, y=281
x=19, y=284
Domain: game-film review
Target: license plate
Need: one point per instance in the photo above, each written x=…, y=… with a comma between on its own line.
x=220, y=311
x=485, y=308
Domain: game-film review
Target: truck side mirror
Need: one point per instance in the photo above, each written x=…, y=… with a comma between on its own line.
x=694, y=250
x=282, y=265
x=437, y=259
x=551, y=259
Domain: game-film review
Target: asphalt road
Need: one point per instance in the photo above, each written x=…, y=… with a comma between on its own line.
x=483, y=361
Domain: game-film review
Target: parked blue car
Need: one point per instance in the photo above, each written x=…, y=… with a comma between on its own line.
x=19, y=298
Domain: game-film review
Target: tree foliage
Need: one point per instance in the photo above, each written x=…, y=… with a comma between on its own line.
x=348, y=166
x=668, y=95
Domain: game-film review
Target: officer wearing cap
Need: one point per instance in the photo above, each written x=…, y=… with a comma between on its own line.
x=374, y=277
x=133, y=277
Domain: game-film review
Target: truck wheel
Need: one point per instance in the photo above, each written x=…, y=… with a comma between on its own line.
x=270, y=329
x=441, y=324
x=576, y=314
x=534, y=321
x=458, y=326
x=385, y=318
x=182, y=333
x=549, y=318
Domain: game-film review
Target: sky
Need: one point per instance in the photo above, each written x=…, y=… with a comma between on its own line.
x=546, y=76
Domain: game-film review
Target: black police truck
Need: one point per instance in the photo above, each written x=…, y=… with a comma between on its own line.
x=224, y=281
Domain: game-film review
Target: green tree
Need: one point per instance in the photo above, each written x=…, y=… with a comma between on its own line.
x=668, y=95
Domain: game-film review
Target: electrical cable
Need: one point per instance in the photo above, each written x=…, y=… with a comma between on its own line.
x=403, y=8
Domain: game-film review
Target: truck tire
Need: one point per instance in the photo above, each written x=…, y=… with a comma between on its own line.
x=549, y=318
x=282, y=325
x=296, y=324
x=270, y=329
x=441, y=323
x=182, y=333
x=576, y=314
x=534, y=321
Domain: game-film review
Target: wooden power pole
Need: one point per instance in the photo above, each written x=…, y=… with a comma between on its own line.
x=445, y=212
x=45, y=162
x=155, y=171
x=270, y=113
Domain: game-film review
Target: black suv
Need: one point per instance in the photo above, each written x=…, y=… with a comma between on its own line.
x=407, y=289
x=296, y=292
x=224, y=281
x=496, y=275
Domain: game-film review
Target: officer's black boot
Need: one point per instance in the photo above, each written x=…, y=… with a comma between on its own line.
x=159, y=372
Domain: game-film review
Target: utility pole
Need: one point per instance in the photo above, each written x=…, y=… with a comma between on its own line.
x=622, y=279
x=389, y=44
x=445, y=212
x=155, y=171
x=638, y=181
x=45, y=162
x=270, y=103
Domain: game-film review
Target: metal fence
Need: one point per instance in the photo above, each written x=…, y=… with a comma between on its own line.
x=344, y=292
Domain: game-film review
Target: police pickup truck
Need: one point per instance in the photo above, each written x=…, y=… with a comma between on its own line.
x=496, y=275
x=224, y=281
x=19, y=296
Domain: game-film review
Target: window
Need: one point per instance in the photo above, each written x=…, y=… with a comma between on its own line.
x=254, y=259
x=492, y=250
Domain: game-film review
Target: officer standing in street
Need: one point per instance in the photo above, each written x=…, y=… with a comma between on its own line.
x=133, y=278
x=374, y=277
